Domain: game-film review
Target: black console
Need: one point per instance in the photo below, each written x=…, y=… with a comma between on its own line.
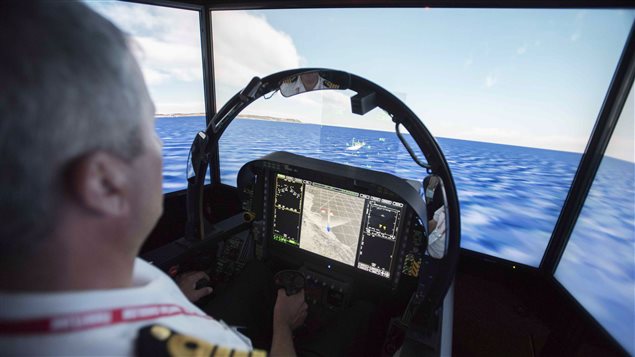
x=339, y=223
x=333, y=293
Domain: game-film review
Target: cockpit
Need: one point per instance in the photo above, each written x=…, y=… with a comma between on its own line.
x=457, y=167
x=341, y=233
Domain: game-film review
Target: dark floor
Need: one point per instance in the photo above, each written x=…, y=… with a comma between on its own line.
x=489, y=320
x=501, y=309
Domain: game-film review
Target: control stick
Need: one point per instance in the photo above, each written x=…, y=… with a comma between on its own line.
x=292, y=281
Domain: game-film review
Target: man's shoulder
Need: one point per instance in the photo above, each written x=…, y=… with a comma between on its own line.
x=159, y=340
x=106, y=320
x=163, y=337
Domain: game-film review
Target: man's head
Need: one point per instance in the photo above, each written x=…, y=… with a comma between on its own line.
x=309, y=80
x=77, y=143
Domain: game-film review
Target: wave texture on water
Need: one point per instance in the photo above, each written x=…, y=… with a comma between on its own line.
x=507, y=193
x=598, y=266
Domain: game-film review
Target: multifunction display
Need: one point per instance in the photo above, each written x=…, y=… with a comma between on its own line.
x=346, y=226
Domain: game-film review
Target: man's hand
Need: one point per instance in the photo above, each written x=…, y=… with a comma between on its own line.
x=290, y=311
x=288, y=314
x=187, y=283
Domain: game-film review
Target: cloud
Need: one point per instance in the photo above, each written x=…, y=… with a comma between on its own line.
x=167, y=40
x=490, y=80
x=177, y=61
x=491, y=134
x=468, y=62
x=512, y=136
x=154, y=77
x=337, y=99
x=581, y=15
x=181, y=107
x=246, y=45
x=521, y=50
x=167, y=43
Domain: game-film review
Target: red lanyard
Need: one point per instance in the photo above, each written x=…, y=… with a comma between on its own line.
x=93, y=319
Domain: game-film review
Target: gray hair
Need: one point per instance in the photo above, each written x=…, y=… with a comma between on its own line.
x=69, y=85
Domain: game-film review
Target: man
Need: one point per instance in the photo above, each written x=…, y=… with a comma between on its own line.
x=304, y=82
x=80, y=189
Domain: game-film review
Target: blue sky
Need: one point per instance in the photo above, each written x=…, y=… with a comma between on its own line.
x=523, y=77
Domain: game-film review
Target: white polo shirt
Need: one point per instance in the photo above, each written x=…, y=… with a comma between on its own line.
x=105, y=322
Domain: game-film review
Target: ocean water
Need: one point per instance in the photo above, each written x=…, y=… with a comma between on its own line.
x=177, y=134
x=510, y=197
x=598, y=266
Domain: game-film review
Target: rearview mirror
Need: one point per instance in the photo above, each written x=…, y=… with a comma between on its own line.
x=313, y=80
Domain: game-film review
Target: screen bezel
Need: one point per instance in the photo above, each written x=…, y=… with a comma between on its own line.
x=301, y=256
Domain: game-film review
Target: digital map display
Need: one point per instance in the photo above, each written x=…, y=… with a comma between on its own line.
x=349, y=227
x=331, y=222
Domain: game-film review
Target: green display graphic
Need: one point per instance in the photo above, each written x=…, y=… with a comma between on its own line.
x=283, y=239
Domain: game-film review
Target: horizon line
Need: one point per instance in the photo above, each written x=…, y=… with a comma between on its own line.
x=298, y=121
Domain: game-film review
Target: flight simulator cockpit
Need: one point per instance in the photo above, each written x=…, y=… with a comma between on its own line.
x=348, y=224
x=541, y=156
x=341, y=233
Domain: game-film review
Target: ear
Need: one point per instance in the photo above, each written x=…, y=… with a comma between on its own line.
x=99, y=183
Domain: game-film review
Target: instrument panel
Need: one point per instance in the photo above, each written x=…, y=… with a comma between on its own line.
x=337, y=218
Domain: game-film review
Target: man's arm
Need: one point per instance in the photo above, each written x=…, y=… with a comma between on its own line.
x=288, y=314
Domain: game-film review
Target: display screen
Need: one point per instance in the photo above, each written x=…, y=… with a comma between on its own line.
x=346, y=226
x=598, y=265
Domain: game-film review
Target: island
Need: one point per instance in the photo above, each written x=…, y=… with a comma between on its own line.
x=267, y=118
x=178, y=115
x=240, y=116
